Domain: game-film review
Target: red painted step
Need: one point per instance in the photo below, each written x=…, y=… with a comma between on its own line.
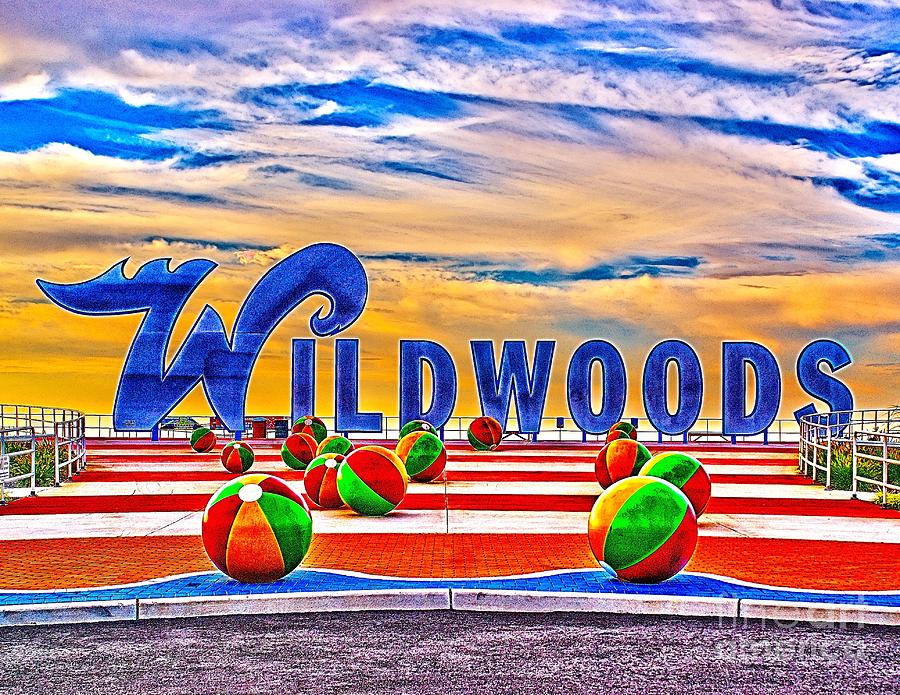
x=94, y=475
x=549, y=461
x=764, y=479
x=456, y=445
x=804, y=507
x=110, y=475
x=106, y=504
x=589, y=477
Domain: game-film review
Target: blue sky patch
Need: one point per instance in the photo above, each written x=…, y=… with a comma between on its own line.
x=487, y=269
x=319, y=181
x=870, y=140
x=97, y=122
x=164, y=195
x=375, y=104
x=360, y=103
x=197, y=160
x=890, y=241
x=439, y=169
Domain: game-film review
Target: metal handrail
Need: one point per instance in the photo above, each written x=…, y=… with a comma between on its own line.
x=859, y=432
x=61, y=428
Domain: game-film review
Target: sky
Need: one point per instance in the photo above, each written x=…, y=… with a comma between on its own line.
x=631, y=171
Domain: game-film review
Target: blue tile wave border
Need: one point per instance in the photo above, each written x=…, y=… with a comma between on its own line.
x=567, y=581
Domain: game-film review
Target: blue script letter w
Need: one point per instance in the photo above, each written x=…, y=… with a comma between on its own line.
x=147, y=390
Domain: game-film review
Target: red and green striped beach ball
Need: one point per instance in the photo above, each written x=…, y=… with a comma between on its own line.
x=237, y=457
x=320, y=480
x=485, y=433
x=372, y=480
x=298, y=450
x=256, y=528
x=423, y=454
x=626, y=427
x=417, y=426
x=203, y=440
x=643, y=529
x=613, y=435
x=619, y=459
x=309, y=424
x=684, y=472
x=335, y=444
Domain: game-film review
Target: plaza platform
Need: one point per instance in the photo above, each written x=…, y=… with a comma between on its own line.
x=504, y=530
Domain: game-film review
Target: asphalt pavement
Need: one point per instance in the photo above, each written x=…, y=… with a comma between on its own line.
x=448, y=652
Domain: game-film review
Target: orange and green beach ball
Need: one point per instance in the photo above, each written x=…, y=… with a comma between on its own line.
x=485, y=433
x=620, y=459
x=298, y=450
x=335, y=444
x=643, y=529
x=309, y=424
x=320, y=481
x=372, y=480
x=626, y=427
x=237, y=457
x=203, y=440
x=423, y=454
x=256, y=528
x=684, y=472
x=416, y=426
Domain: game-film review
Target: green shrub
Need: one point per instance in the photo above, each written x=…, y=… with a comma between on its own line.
x=43, y=463
x=892, y=501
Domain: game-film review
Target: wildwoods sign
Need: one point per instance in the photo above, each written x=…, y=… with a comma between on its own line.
x=149, y=389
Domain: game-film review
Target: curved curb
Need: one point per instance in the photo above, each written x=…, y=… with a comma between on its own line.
x=67, y=613
x=312, y=602
x=783, y=613
x=547, y=602
x=831, y=613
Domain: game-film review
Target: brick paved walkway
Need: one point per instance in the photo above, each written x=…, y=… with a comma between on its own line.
x=503, y=513
x=76, y=563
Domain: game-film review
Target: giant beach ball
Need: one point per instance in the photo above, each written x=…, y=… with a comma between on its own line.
x=423, y=454
x=620, y=459
x=256, y=528
x=335, y=444
x=485, y=433
x=298, y=450
x=311, y=425
x=320, y=480
x=643, y=529
x=613, y=435
x=237, y=457
x=417, y=426
x=372, y=480
x=626, y=427
x=203, y=440
x=684, y=472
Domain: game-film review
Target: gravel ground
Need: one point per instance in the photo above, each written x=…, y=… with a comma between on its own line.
x=448, y=652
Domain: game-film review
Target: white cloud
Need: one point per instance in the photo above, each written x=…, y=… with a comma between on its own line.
x=34, y=86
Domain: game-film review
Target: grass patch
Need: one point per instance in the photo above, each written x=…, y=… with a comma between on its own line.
x=43, y=463
x=892, y=501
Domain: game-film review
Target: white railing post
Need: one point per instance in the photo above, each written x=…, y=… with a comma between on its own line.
x=33, y=462
x=804, y=448
x=55, y=456
x=884, y=471
x=828, y=461
x=855, y=484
